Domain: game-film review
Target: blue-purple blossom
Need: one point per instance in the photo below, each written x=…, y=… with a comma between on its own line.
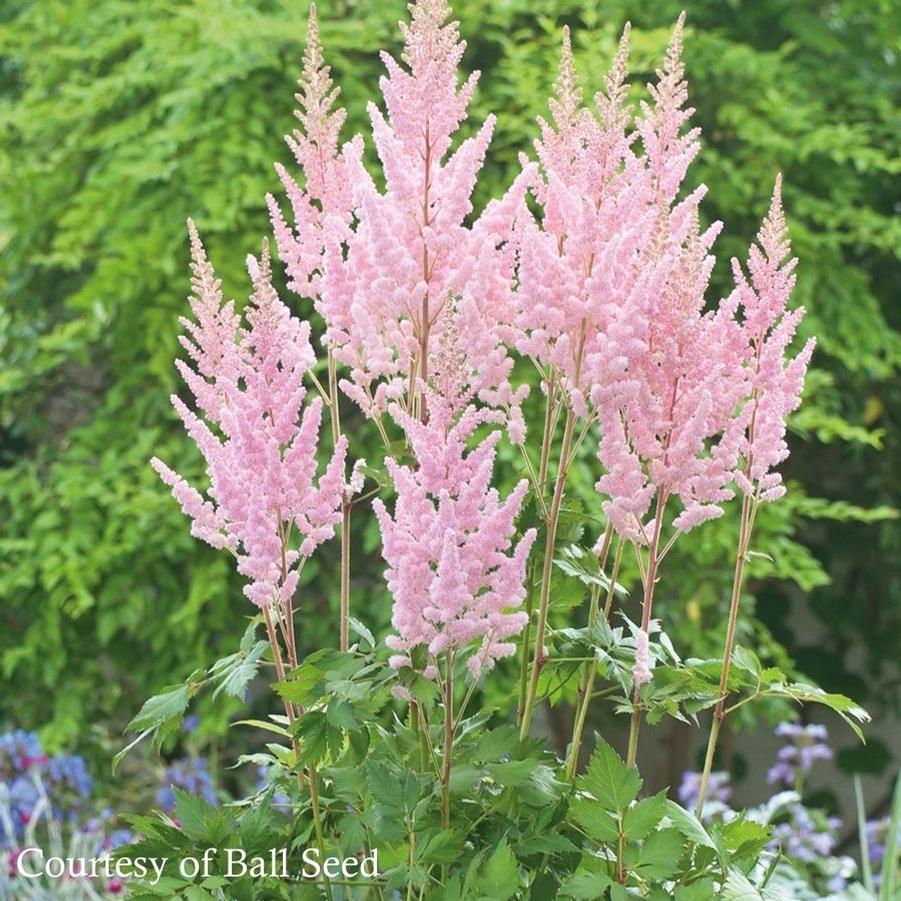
x=806, y=745
x=267, y=776
x=191, y=775
x=806, y=836
x=190, y=723
x=19, y=751
x=719, y=794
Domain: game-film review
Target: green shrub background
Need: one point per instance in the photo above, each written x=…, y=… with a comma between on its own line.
x=119, y=119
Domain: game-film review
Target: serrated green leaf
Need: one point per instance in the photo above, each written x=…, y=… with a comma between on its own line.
x=689, y=825
x=192, y=812
x=660, y=853
x=609, y=779
x=595, y=820
x=642, y=818
x=499, y=879
x=168, y=704
x=586, y=886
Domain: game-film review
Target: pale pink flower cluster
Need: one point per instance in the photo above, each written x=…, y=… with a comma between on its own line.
x=612, y=300
x=321, y=210
x=453, y=570
x=406, y=269
x=641, y=672
x=768, y=327
x=576, y=262
x=257, y=436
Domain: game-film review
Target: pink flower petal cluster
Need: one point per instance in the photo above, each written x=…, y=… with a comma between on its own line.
x=258, y=437
x=406, y=268
x=322, y=208
x=452, y=570
x=576, y=263
x=768, y=327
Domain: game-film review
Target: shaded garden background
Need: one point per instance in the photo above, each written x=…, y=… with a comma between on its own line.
x=120, y=119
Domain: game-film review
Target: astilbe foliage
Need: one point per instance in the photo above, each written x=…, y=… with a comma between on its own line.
x=452, y=567
x=258, y=437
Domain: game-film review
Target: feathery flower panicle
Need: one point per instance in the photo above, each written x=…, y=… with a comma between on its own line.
x=412, y=267
x=768, y=327
x=321, y=209
x=452, y=568
x=577, y=263
x=256, y=433
x=667, y=377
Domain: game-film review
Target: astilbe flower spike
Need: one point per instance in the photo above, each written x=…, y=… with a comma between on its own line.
x=453, y=571
x=669, y=378
x=256, y=434
x=574, y=262
x=412, y=268
x=776, y=381
x=321, y=208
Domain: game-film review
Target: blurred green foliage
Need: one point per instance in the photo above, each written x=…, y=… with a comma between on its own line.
x=121, y=119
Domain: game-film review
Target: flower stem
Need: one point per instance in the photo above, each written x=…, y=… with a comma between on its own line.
x=317, y=825
x=447, y=759
x=590, y=669
x=547, y=570
x=647, y=605
x=748, y=509
x=344, y=628
x=345, y=574
x=526, y=645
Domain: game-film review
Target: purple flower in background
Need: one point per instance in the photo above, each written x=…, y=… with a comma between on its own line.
x=104, y=825
x=266, y=778
x=191, y=775
x=877, y=839
x=719, y=793
x=806, y=745
x=19, y=750
x=190, y=723
x=805, y=836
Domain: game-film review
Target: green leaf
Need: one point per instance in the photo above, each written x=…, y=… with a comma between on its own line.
x=169, y=704
x=744, y=838
x=494, y=743
x=609, y=779
x=192, y=812
x=443, y=847
x=702, y=890
x=659, y=855
x=739, y=888
x=595, y=820
x=512, y=773
x=361, y=631
x=234, y=673
x=313, y=730
x=851, y=712
x=689, y=825
x=641, y=819
x=500, y=877
x=586, y=886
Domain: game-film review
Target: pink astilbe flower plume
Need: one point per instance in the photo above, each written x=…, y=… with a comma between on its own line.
x=453, y=570
x=412, y=267
x=256, y=433
x=575, y=262
x=768, y=328
x=668, y=376
x=321, y=208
